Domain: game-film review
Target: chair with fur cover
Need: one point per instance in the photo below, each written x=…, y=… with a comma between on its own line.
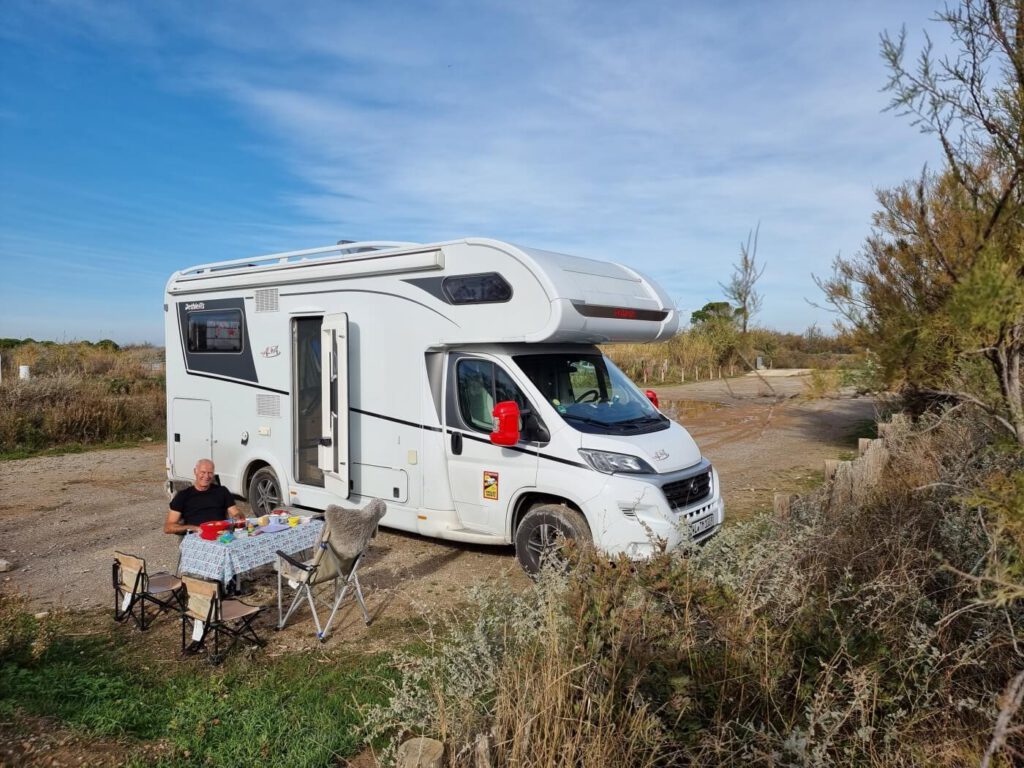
x=336, y=557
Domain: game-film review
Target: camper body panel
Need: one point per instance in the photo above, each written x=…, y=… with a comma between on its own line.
x=408, y=437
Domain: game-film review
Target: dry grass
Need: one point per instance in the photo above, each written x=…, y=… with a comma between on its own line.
x=80, y=395
x=841, y=635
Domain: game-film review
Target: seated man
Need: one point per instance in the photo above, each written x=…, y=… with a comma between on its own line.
x=200, y=503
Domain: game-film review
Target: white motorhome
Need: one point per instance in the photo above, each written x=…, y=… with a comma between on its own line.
x=458, y=381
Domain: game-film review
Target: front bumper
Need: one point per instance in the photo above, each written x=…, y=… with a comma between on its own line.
x=634, y=517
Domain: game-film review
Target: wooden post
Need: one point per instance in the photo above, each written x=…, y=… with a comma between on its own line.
x=831, y=465
x=862, y=445
x=782, y=503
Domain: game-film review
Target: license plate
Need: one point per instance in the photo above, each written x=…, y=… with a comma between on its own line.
x=699, y=526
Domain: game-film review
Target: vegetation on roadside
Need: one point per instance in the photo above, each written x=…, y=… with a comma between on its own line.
x=79, y=394
x=300, y=709
x=839, y=634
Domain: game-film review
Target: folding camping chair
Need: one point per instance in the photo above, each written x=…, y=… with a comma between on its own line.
x=336, y=557
x=205, y=607
x=134, y=588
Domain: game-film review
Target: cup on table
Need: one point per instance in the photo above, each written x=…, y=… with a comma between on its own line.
x=293, y=521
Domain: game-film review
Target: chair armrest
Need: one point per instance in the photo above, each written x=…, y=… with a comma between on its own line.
x=292, y=561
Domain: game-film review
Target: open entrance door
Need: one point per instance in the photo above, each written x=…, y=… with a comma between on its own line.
x=334, y=448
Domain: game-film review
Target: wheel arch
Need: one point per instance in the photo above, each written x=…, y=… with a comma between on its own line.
x=253, y=465
x=531, y=499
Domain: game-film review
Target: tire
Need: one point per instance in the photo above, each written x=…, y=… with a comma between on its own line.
x=264, y=492
x=541, y=531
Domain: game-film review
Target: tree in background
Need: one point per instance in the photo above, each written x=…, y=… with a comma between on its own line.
x=713, y=312
x=938, y=290
x=740, y=288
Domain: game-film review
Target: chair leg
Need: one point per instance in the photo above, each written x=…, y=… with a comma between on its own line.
x=291, y=609
x=359, y=596
x=248, y=632
x=216, y=657
x=312, y=609
x=339, y=598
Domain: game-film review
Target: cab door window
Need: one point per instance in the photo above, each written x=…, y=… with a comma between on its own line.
x=479, y=385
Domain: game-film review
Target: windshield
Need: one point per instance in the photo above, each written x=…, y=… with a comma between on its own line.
x=591, y=394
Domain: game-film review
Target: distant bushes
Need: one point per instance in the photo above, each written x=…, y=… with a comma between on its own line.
x=871, y=634
x=718, y=349
x=80, y=394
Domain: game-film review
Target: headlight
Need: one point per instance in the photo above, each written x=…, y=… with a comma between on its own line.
x=609, y=463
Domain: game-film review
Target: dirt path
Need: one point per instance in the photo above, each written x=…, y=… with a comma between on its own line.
x=63, y=516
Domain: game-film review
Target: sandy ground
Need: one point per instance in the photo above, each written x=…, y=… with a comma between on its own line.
x=62, y=516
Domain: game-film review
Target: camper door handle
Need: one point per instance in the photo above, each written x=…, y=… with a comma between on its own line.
x=456, y=443
x=326, y=442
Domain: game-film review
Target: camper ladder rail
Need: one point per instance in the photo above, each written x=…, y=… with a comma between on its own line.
x=343, y=249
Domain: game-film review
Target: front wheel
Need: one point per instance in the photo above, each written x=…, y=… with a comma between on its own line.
x=542, y=534
x=264, y=492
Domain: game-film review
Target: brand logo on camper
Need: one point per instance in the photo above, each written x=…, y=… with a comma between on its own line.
x=661, y=454
x=271, y=351
x=195, y=305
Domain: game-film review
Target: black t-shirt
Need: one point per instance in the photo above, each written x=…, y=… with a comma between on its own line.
x=202, y=506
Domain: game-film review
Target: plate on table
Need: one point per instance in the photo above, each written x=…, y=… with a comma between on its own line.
x=274, y=528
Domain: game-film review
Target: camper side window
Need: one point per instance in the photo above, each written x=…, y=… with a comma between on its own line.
x=485, y=288
x=481, y=384
x=215, y=331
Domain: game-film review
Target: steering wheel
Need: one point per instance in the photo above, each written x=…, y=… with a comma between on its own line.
x=593, y=394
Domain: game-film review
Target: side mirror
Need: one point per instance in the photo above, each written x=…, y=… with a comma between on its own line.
x=653, y=397
x=506, y=420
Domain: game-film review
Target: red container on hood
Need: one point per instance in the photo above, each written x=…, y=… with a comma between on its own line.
x=211, y=530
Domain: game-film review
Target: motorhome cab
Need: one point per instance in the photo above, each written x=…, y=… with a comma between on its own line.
x=459, y=382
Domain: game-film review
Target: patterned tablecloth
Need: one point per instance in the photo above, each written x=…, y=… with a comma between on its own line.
x=213, y=560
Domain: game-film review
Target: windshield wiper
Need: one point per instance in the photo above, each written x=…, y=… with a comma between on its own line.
x=586, y=419
x=654, y=419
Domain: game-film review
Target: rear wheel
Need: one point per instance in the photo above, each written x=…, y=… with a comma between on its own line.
x=264, y=492
x=544, y=531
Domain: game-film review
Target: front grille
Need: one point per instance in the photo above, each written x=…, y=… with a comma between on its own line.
x=683, y=493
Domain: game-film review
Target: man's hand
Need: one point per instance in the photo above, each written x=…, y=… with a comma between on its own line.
x=174, y=525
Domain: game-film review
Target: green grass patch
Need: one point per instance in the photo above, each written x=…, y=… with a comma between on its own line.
x=302, y=709
x=69, y=448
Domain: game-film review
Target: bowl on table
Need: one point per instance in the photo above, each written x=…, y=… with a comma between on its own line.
x=213, y=529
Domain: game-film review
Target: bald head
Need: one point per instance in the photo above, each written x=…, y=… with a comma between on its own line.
x=204, y=474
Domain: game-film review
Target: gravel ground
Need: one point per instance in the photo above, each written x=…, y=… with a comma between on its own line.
x=63, y=516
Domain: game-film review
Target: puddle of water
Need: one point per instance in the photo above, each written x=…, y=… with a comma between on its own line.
x=683, y=410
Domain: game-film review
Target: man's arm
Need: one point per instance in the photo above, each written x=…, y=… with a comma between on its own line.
x=173, y=523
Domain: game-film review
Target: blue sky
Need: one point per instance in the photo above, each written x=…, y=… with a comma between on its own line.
x=137, y=138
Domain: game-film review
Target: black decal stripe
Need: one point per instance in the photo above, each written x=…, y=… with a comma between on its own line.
x=238, y=381
x=516, y=448
x=395, y=420
x=374, y=293
x=470, y=436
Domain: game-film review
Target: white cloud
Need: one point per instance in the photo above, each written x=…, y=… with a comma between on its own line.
x=653, y=132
